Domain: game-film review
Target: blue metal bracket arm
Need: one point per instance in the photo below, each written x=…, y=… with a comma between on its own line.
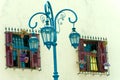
x=69, y=19
x=76, y=18
x=36, y=23
x=48, y=13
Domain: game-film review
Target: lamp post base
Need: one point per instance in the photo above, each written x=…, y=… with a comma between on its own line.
x=55, y=76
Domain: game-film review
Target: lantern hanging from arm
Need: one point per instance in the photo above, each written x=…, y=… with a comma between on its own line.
x=74, y=38
x=47, y=34
x=33, y=43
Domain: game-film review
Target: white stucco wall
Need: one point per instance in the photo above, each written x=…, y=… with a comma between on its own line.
x=96, y=18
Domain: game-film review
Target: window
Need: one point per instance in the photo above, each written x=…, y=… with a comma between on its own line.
x=18, y=54
x=93, y=56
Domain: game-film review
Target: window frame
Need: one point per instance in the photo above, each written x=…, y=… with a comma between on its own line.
x=98, y=56
x=15, y=48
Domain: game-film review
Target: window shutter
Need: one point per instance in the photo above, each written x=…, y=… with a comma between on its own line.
x=35, y=57
x=92, y=55
x=102, y=56
x=9, y=56
x=88, y=61
x=38, y=54
x=18, y=54
x=81, y=55
x=31, y=56
x=34, y=60
x=99, y=56
x=83, y=66
x=81, y=47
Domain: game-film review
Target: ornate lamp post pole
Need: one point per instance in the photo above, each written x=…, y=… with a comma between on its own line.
x=49, y=31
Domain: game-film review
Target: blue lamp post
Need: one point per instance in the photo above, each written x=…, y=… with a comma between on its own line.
x=49, y=31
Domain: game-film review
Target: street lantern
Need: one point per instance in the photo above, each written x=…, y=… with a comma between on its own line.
x=33, y=43
x=47, y=34
x=49, y=31
x=74, y=38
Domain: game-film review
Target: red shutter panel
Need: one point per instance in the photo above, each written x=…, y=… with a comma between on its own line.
x=81, y=56
x=88, y=61
x=31, y=56
x=39, y=60
x=33, y=60
x=38, y=54
x=9, y=56
x=35, y=57
x=83, y=65
x=103, y=60
x=101, y=56
x=80, y=48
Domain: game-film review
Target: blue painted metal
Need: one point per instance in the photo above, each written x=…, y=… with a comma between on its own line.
x=33, y=44
x=48, y=36
x=49, y=32
x=74, y=38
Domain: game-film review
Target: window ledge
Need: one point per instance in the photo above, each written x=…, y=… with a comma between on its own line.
x=95, y=73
